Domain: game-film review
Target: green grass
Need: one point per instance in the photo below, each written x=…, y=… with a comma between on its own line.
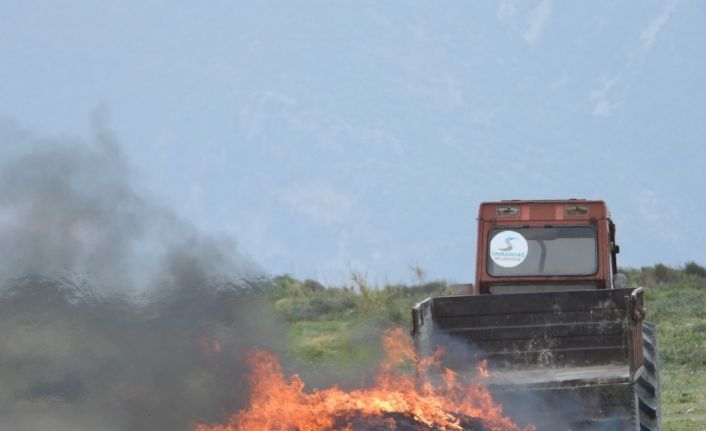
x=683, y=398
x=327, y=341
x=679, y=310
x=342, y=326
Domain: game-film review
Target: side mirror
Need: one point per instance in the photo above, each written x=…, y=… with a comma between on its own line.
x=620, y=281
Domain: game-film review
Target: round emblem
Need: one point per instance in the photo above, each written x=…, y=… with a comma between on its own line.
x=508, y=248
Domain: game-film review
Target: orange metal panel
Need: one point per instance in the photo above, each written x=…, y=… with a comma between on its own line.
x=537, y=214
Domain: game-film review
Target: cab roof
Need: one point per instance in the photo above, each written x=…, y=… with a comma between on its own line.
x=546, y=209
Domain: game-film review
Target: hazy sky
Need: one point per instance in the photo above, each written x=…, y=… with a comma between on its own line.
x=329, y=136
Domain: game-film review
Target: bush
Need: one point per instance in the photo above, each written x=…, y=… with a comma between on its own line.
x=331, y=304
x=294, y=309
x=314, y=285
x=665, y=274
x=288, y=286
x=693, y=268
x=648, y=277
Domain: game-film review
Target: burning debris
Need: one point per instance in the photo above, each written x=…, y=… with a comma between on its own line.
x=397, y=400
x=399, y=421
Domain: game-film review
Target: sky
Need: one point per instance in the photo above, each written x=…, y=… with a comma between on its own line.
x=330, y=137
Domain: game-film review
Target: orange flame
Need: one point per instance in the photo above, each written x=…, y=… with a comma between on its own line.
x=281, y=404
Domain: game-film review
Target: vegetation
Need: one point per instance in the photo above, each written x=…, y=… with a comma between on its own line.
x=676, y=301
x=339, y=326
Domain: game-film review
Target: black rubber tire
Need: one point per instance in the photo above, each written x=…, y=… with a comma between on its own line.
x=648, y=384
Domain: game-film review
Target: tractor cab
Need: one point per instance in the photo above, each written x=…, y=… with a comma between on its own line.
x=545, y=246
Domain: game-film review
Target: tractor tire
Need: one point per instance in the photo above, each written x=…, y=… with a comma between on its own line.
x=648, y=384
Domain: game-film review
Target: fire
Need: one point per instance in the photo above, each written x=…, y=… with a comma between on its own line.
x=278, y=403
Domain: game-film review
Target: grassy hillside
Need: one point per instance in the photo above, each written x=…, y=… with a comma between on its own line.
x=676, y=301
x=342, y=325
x=339, y=327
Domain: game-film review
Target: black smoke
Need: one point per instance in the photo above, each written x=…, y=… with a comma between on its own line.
x=115, y=314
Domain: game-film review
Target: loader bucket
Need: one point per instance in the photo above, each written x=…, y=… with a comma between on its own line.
x=560, y=360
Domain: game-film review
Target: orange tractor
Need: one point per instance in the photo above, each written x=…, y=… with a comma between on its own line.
x=561, y=330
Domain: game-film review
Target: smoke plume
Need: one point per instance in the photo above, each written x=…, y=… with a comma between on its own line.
x=115, y=313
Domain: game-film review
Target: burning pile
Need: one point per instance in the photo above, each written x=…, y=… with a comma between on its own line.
x=396, y=401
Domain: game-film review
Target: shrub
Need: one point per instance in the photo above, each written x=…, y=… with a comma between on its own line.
x=665, y=274
x=331, y=304
x=288, y=286
x=648, y=276
x=693, y=268
x=294, y=309
x=314, y=285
